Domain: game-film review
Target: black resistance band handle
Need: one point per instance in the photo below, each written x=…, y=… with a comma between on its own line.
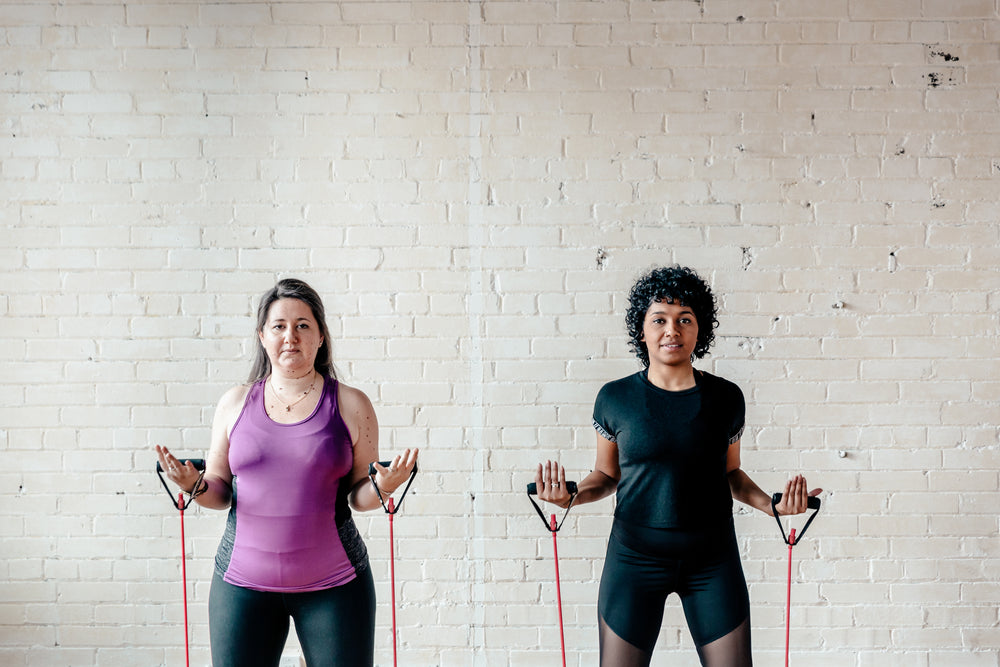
x=371, y=475
x=571, y=488
x=813, y=503
x=199, y=464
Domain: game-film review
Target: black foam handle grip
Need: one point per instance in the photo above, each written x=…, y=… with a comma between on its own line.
x=385, y=464
x=813, y=502
x=393, y=507
x=570, y=488
x=199, y=464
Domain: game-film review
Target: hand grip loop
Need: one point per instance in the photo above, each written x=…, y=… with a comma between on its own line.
x=813, y=503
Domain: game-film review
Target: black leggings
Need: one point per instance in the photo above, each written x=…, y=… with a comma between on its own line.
x=645, y=565
x=335, y=626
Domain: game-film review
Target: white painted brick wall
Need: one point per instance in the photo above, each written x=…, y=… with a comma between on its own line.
x=473, y=186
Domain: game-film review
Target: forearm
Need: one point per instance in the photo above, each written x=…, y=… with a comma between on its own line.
x=215, y=493
x=747, y=492
x=363, y=497
x=595, y=486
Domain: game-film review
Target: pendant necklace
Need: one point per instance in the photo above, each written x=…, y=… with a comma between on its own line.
x=289, y=406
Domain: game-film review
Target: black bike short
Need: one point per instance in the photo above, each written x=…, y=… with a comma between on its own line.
x=335, y=626
x=645, y=565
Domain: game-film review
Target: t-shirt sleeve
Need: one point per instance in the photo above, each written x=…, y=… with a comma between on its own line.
x=739, y=411
x=603, y=415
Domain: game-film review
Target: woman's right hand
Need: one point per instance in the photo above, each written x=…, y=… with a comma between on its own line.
x=550, y=481
x=184, y=475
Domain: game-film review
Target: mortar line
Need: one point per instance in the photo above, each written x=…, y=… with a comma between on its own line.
x=476, y=308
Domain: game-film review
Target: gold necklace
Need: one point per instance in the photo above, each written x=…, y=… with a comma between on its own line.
x=289, y=406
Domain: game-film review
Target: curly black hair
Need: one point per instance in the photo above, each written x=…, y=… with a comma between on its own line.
x=671, y=284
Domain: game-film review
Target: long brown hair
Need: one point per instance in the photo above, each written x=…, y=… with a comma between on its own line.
x=292, y=288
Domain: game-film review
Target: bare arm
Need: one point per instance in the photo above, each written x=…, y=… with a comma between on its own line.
x=215, y=490
x=550, y=477
x=359, y=415
x=793, y=501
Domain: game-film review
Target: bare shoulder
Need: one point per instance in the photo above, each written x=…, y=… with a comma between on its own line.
x=352, y=400
x=235, y=395
x=231, y=403
x=357, y=412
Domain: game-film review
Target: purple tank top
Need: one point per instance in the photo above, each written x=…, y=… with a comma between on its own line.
x=282, y=527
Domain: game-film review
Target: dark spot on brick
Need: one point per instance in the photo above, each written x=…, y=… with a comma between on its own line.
x=947, y=57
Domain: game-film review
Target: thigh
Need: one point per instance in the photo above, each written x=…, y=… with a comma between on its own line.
x=634, y=589
x=336, y=626
x=246, y=627
x=714, y=592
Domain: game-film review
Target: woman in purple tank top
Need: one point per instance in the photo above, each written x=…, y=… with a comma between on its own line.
x=289, y=458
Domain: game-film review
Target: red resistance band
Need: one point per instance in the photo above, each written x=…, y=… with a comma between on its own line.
x=553, y=527
x=184, y=582
x=391, y=508
x=791, y=541
x=788, y=594
x=181, y=506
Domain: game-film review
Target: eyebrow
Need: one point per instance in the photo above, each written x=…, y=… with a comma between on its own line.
x=663, y=312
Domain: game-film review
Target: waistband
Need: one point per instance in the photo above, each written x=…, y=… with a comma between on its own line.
x=675, y=542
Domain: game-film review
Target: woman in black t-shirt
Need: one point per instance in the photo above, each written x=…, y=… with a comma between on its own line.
x=668, y=442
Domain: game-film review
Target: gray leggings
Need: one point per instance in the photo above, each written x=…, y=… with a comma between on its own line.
x=335, y=626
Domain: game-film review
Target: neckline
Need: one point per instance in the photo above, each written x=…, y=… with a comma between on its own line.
x=699, y=377
x=315, y=411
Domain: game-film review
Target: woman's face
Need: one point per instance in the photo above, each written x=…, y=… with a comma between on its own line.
x=670, y=332
x=291, y=337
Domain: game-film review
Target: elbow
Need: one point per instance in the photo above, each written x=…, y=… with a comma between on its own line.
x=735, y=477
x=355, y=506
x=359, y=505
x=218, y=495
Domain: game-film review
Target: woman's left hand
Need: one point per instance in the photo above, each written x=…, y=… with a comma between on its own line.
x=395, y=475
x=795, y=499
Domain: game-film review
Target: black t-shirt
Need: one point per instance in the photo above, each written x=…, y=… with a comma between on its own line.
x=671, y=448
